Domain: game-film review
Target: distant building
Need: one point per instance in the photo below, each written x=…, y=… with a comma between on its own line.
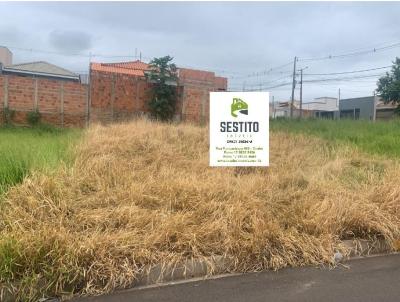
x=368, y=108
x=322, y=107
x=385, y=111
x=5, y=56
x=39, y=69
x=282, y=109
x=56, y=93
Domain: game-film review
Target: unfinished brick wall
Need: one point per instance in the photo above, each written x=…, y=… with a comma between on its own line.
x=60, y=102
x=115, y=97
x=197, y=86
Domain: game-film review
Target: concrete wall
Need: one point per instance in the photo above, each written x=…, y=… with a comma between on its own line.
x=365, y=106
x=60, y=103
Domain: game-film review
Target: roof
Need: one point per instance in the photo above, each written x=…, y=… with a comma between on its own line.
x=382, y=105
x=286, y=104
x=41, y=68
x=136, y=68
x=325, y=97
x=361, y=98
x=322, y=104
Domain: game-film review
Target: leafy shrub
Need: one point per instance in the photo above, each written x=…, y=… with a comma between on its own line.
x=163, y=75
x=33, y=118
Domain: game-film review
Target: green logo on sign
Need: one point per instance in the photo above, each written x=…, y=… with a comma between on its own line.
x=239, y=106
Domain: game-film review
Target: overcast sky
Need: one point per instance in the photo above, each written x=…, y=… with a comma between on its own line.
x=234, y=39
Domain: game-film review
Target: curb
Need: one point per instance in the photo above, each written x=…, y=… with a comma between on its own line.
x=361, y=247
x=188, y=269
x=216, y=267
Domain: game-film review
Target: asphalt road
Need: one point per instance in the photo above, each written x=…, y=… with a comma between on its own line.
x=368, y=279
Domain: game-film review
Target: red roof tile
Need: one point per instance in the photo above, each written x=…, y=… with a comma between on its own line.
x=136, y=68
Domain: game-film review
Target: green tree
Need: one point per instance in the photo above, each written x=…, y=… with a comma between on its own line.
x=389, y=85
x=163, y=74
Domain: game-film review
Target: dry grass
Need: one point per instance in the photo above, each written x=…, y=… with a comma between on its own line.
x=142, y=193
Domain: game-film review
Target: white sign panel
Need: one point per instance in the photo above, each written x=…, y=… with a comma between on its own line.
x=239, y=129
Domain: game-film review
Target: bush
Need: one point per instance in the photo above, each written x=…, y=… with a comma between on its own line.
x=8, y=115
x=33, y=118
x=162, y=74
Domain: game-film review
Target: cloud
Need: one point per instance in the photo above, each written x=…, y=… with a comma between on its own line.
x=237, y=37
x=10, y=35
x=70, y=41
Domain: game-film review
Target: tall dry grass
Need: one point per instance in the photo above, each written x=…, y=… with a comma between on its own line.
x=142, y=193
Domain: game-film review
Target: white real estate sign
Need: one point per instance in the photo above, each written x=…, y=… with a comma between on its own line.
x=239, y=128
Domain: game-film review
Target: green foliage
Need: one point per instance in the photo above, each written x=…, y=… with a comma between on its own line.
x=163, y=75
x=380, y=137
x=12, y=170
x=23, y=150
x=389, y=85
x=8, y=257
x=8, y=115
x=33, y=118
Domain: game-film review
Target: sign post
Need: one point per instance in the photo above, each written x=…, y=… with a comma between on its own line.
x=239, y=129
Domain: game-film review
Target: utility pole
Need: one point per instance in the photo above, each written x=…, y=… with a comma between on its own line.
x=338, y=104
x=301, y=91
x=293, y=87
x=273, y=105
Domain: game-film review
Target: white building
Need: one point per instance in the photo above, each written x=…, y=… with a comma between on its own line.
x=322, y=107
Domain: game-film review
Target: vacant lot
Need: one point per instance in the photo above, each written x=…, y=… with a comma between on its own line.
x=24, y=150
x=379, y=138
x=142, y=194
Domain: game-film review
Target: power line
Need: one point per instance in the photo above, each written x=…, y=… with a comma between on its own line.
x=342, y=79
x=268, y=87
x=322, y=80
x=106, y=56
x=116, y=56
x=83, y=55
x=254, y=74
x=264, y=72
x=347, y=72
x=268, y=82
x=321, y=74
x=356, y=53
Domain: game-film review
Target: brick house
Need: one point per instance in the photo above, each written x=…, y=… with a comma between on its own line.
x=40, y=86
x=120, y=91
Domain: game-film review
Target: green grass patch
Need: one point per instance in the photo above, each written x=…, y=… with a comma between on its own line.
x=23, y=150
x=379, y=138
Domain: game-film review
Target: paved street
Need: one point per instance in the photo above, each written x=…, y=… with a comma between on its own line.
x=368, y=280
